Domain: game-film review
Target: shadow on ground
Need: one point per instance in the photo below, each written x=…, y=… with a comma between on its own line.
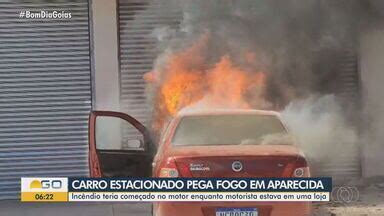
x=370, y=201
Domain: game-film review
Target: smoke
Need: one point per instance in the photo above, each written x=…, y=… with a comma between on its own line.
x=286, y=39
x=294, y=43
x=321, y=129
x=372, y=78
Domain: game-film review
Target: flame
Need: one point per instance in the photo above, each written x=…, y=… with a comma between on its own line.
x=225, y=85
x=228, y=85
x=181, y=90
x=185, y=80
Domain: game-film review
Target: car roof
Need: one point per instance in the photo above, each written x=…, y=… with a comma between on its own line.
x=227, y=112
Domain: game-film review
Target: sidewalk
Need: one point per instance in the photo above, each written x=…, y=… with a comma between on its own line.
x=16, y=208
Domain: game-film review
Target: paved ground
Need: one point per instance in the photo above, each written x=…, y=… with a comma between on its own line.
x=370, y=201
x=15, y=208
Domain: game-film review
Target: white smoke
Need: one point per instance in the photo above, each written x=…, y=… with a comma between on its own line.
x=321, y=129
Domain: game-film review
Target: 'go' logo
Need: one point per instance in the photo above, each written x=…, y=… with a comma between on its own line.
x=46, y=184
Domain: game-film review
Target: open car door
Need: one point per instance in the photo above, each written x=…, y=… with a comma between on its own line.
x=119, y=146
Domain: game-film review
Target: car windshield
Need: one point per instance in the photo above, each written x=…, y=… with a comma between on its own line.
x=244, y=129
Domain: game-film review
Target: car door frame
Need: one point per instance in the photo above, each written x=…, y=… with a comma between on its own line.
x=93, y=154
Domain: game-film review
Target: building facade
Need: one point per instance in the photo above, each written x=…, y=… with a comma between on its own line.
x=52, y=73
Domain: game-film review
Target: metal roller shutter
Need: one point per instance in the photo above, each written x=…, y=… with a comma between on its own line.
x=348, y=76
x=347, y=165
x=45, y=93
x=137, y=21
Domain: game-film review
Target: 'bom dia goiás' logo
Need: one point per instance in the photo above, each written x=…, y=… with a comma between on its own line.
x=46, y=184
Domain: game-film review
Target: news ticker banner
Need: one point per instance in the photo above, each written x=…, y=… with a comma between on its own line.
x=45, y=189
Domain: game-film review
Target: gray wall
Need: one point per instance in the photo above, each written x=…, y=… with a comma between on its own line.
x=105, y=55
x=372, y=80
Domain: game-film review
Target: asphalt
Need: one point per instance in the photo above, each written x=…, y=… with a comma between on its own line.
x=16, y=208
x=369, y=201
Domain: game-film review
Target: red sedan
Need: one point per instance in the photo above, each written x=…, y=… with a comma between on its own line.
x=228, y=143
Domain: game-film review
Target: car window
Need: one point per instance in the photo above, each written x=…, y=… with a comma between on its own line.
x=245, y=129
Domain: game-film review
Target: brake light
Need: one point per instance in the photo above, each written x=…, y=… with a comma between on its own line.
x=169, y=170
x=173, y=169
x=168, y=173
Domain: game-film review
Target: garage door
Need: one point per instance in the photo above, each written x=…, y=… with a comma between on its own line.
x=347, y=165
x=45, y=93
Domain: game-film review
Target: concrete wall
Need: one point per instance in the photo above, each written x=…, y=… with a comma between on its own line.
x=105, y=71
x=105, y=62
x=372, y=80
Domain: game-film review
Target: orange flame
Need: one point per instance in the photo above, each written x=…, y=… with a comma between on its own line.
x=181, y=90
x=185, y=81
x=226, y=86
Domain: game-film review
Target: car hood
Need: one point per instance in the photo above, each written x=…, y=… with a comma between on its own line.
x=234, y=150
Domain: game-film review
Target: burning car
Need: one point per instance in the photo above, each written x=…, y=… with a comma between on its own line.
x=220, y=143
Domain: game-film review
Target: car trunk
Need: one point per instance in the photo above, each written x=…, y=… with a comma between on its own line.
x=218, y=161
x=261, y=166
